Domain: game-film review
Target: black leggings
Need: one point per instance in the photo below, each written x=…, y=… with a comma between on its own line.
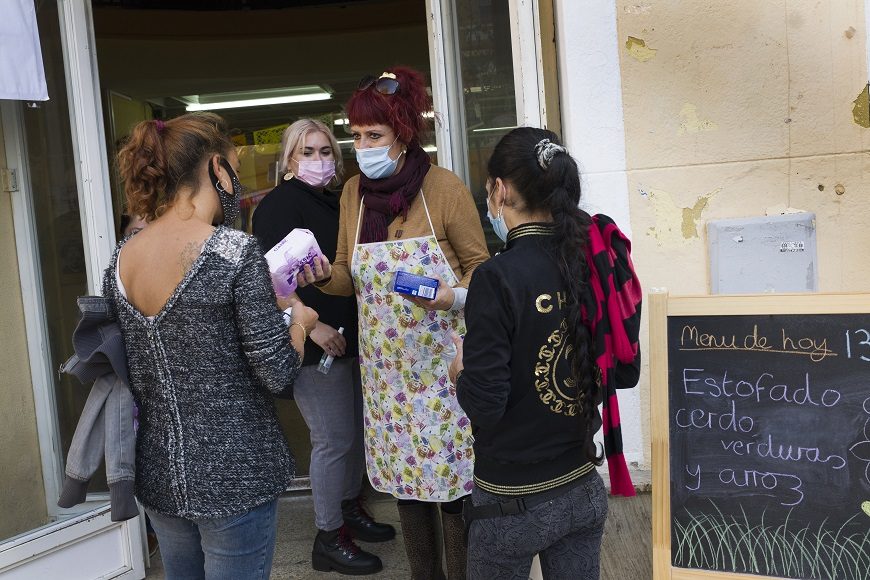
x=448, y=507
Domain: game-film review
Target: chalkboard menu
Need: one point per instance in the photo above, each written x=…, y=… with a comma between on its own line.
x=769, y=444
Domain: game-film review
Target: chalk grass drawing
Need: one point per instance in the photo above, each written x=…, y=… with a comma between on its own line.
x=715, y=541
x=861, y=449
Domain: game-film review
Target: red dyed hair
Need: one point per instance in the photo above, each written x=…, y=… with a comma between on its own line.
x=403, y=111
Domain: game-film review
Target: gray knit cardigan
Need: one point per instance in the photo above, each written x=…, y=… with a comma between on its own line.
x=209, y=442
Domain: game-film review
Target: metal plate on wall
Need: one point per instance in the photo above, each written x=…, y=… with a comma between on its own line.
x=763, y=254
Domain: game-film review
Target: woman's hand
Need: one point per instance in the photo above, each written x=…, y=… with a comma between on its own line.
x=322, y=271
x=456, y=366
x=444, y=298
x=302, y=314
x=329, y=339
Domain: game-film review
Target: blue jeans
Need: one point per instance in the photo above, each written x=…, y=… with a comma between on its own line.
x=566, y=532
x=238, y=547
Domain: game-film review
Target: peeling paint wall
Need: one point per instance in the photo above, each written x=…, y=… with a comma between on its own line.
x=748, y=108
x=724, y=110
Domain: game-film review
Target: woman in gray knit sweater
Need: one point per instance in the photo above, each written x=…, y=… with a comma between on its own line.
x=206, y=347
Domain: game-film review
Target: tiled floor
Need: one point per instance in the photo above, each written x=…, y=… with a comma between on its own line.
x=296, y=533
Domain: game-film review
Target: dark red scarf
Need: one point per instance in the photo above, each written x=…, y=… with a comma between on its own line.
x=614, y=318
x=386, y=198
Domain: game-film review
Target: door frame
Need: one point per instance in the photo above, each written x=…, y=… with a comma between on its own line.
x=85, y=531
x=87, y=538
x=89, y=141
x=529, y=77
x=97, y=221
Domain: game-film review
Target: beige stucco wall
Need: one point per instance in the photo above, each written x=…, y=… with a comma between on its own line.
x=743, y=109
x=22, y=499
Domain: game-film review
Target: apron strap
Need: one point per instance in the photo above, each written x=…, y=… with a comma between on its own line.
x=362, y=208
x=428, y=217
x=359, y=221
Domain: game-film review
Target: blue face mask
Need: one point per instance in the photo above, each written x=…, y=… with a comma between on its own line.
x=498, y=225
x=375, y=162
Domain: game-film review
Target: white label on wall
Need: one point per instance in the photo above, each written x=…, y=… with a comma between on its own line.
x=791, y=246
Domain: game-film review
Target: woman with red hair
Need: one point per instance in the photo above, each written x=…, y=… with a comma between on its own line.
x=405, y=214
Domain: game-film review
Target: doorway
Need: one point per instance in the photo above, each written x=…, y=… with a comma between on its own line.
x=158, y=59
x=112, y=63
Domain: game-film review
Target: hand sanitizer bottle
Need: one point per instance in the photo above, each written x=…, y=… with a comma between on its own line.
x=326, y=359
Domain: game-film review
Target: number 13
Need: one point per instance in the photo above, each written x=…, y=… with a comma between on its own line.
x=865, y=342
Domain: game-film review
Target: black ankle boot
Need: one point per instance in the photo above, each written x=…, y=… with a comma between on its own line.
x=361, y=524
x=336, y=551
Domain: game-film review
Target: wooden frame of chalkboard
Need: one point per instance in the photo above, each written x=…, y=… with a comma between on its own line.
x=793, y=350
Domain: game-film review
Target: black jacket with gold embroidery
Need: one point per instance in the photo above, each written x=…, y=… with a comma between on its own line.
x=516, y=387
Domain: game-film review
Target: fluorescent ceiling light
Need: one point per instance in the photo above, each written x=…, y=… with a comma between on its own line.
x=259, y=102
x=256, y=98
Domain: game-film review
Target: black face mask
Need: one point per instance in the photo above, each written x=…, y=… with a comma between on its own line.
x=230, y=202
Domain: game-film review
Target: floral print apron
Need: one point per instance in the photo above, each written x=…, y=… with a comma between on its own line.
x=417, y=438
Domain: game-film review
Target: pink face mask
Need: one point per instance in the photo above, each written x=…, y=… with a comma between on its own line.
x=316, y=173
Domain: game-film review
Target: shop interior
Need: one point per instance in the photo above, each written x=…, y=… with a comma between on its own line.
x=157, y=64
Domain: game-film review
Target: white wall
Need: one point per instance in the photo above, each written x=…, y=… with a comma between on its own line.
x=593, y=130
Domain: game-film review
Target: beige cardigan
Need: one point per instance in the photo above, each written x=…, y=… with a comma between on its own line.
x=454, y=217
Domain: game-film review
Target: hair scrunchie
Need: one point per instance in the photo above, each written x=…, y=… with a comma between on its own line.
x=545, y=150
x=160, y=125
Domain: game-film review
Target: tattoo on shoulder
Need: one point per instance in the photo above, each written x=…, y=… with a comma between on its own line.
x=189, y=254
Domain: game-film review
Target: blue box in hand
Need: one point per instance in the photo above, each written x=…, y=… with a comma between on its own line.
x=422, y=286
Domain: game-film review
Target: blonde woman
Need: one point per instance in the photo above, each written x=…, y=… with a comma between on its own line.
x=330, y=403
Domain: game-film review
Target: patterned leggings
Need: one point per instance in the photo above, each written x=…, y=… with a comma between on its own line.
x=566, y=531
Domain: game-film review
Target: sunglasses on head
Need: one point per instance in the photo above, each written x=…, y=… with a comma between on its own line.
x=386, y=84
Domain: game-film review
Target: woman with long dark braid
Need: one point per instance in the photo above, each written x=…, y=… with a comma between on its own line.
x=552, y=331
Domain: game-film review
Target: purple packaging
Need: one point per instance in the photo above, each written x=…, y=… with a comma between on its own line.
x=289, y=256
x=422, y=286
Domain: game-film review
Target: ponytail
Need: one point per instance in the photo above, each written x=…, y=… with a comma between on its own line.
x=161, y=156
x=547, y=178
x=569, y=246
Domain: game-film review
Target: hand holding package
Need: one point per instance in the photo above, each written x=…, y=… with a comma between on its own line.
x=289, y=257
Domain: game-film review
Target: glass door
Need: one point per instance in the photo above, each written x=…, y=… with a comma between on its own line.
x=490, y=64
x=53, y=212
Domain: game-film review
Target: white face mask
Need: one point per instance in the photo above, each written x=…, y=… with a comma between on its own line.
x=498, y=224
x=375, y=162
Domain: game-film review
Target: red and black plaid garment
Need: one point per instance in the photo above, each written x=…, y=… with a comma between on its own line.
x=612, y=311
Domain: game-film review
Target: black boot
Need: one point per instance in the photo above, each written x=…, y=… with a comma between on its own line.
x=361, y=524
x=419, y=524
x=336, y=551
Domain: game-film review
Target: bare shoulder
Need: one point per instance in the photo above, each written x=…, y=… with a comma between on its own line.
x=189, y=253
